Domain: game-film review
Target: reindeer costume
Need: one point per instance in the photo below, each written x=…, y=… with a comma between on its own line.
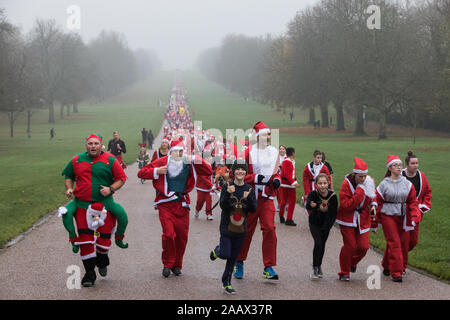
x=233, y=226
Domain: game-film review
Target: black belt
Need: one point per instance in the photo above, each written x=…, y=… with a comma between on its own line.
x=95, y=233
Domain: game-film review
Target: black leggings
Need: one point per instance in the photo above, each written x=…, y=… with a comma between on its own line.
x=320, y=235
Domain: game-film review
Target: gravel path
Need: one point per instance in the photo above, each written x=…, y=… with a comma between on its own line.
x=35, y=267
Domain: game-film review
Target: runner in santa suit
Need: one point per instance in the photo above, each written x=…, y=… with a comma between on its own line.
x=97, y=175
x=288, y=188
x=263, y=162
x=204, y=186
x=398, y=211
x=423, y=192
x=311, y=171
x=357, y=203
x=173, y=178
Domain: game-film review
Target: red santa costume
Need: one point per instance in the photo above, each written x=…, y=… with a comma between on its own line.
x=173, y=201
x=310, y=173
x=288, y=193
x=354, y=219
x=95, y=226
x=424, y=195
x=262, y=168
x=205, y=187
x=398, y=212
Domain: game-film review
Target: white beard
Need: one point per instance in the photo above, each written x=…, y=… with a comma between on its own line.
x=369, y=187
x=94, y=223
x=174, y=167
x=264, y=160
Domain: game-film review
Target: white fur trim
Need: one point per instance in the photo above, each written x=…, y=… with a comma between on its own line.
x=155, y=174
x=422, y=206
x=61, y=211
x=88, y=256
x=392, y=161
x=262, y=130
x=360, y=171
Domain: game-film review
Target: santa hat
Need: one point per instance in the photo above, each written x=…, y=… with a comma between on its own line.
x=260, y=127
x=166, y=140
x=96, y=207
x=176, y=144
x=391, y=159
x=360, y=166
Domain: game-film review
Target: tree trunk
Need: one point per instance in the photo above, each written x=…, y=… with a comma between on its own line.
x=382, y=130
x=324, y=115
x=68, y=110
x=75, y=107
x=11, y=123
x=340, y=125
x=51, y=112
x=359, y=125
x=61, y=111
x=29, y=122
x=312, y=115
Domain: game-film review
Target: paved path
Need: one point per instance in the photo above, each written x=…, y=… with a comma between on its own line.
x=35, y=268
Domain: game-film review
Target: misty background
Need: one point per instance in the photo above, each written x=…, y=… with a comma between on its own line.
x=177, y=31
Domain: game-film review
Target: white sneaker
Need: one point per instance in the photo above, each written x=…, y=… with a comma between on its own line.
x=209, y=217
x=196, y=214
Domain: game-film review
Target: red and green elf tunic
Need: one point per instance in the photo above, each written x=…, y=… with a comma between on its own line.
x=89, y=175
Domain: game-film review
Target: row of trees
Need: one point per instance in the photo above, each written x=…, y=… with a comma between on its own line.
x=49, y=67
x=333, y=55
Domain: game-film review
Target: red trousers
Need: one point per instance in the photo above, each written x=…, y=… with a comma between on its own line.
x=119, y=158
x=266, y=213
x=288, y=196
x=203, y=197
x=175, y=227
x=395, y=256
x=354, y=249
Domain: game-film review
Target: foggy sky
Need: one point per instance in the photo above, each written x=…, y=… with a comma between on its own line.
x=176, y=29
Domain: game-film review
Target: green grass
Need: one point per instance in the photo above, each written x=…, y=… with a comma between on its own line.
x=221, y=109
x=32, y=184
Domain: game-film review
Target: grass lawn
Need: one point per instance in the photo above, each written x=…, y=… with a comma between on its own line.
x=32, y=184
x=220, y=109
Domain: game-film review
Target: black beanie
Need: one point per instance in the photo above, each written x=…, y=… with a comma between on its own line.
x=239, y=163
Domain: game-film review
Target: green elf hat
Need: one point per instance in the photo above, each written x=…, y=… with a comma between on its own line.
x=95, y=135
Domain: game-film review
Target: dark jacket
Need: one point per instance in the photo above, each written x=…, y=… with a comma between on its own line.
x=112, y=145
x=317, y=217
x=236, y=228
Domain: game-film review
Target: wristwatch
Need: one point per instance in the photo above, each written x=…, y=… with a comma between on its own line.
x=112, y=189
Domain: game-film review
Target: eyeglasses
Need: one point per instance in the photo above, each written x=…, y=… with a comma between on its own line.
x=397, y=165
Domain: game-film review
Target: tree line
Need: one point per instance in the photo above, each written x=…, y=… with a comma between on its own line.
x=331, y=56
x=48, y=67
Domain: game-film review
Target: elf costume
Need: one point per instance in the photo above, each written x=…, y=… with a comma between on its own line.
x=90, y=173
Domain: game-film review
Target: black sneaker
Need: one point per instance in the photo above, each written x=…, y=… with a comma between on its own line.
x=213, y=255
x=319, y=271
x=103, y=271
x=166, y=272
x=315, y=273
x=290, y=223
x=282, y=220
x=397, y=279
x=176, y=272
x=229, y=290
x=352, y=269
x=89, y=279
x=386, y=272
